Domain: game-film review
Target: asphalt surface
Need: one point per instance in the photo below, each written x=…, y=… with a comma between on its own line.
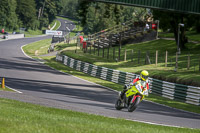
x=42, y=85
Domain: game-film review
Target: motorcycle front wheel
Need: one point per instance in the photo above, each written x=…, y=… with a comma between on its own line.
x=133, y=106
x=118, y=104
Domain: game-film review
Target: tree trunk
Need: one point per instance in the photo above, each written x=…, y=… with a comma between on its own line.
x=182, y=38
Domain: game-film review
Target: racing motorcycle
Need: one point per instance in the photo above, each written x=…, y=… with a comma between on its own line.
x=132, y=97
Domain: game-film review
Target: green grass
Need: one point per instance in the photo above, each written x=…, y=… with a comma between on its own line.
x=19, y=117
x=182, y=76
x=192, y=35
x=41, y=47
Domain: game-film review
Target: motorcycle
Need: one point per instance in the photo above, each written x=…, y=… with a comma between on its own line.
x=132, y=97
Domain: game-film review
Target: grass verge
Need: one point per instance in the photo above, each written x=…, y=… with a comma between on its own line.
x=6, y=89
x=19, y=117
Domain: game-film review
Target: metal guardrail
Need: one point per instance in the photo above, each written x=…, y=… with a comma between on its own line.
x=187, y=94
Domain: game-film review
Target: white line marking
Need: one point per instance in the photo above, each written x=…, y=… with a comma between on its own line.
x=14, y=89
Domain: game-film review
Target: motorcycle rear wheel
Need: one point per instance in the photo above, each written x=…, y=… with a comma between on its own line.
x=134, y=105
x=118, y=104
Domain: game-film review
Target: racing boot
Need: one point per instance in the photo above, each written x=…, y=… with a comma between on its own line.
x=121, y=95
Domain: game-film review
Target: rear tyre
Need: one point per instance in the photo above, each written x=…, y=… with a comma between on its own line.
x=134, y=105
x=118, y=104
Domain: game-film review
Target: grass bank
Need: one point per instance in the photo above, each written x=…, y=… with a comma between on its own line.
x=136, y=62
x=19, y=117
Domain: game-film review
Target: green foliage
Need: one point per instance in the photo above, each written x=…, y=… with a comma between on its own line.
x=98, y=16
x=70, y=8
x=47, y=11
x=8, y=17
x=27, y=13
x=30, y=14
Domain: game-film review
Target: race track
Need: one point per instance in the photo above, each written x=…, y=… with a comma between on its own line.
x=40, y=84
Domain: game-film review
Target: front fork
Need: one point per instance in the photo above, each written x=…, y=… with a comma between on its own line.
x=134, y=97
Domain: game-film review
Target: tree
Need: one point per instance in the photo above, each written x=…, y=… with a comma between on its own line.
x=170, y=20
x=47, y=10
x=8, y=17
x=26, y=10
x=70, y=8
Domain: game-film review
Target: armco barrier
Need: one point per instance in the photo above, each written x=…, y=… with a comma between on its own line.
x=188, y=94
x=14, y=36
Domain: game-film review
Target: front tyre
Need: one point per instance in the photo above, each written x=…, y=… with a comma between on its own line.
x=134, y=105
x=118, y=104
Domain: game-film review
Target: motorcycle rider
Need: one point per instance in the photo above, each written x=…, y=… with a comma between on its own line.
x=143, y=79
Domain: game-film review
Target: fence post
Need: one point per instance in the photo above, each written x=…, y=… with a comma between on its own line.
x=125, y=55
x=156, y=57
x=90, y=49
x=166, y=58
x=176, y=68
x=132, y=55
x=199, y=62
x=120, y=43
x=108, y=52
x=103, y=52
x=139, y=57
x=148, y=61
x=98, y=46
x=188, y=65
x=113, y=53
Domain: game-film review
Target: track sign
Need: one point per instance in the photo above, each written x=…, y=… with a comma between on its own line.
x=53, y=32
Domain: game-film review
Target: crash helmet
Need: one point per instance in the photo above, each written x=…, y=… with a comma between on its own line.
x=144, y=75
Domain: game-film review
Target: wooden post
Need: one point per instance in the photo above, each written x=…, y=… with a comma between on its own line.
x=139, y=57
x=148, y=61
x=156, y=57
x=125, y=55
x=108, y=52
x=98, y=46
x=166, y=58
x=176, y=61
x=132, y=55
x=113, y=53
x=103, y=52
x=199, y=62
x=188, y=64
x=120, y=44
x=90, y=49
